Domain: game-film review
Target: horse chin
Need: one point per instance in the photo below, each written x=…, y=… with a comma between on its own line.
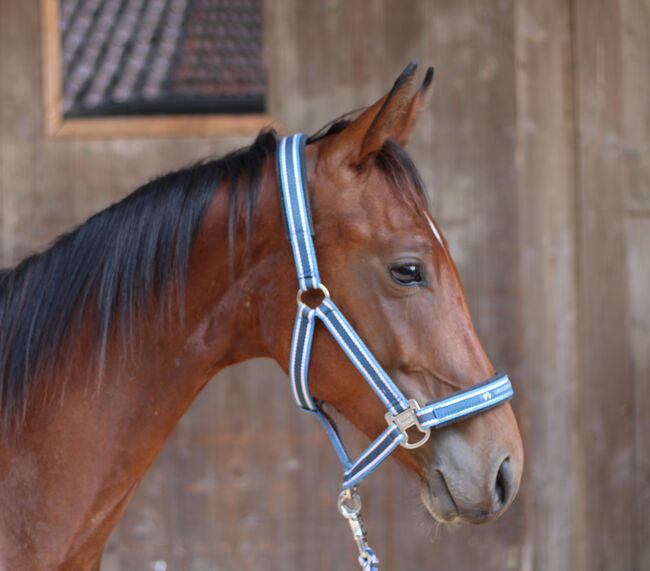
x=439, y=502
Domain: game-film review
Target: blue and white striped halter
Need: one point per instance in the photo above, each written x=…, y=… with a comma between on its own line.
x=403, y=414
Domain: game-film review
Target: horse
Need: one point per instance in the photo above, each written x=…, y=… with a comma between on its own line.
x=108, y=336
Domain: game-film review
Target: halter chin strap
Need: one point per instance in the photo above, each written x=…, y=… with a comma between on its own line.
x=403, y=415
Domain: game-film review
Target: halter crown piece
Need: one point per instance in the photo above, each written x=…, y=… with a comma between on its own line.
x=403, y=414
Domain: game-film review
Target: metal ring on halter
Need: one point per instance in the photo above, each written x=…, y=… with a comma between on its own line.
x=321, y=287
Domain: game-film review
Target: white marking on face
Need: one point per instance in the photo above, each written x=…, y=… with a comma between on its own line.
x=434, y=229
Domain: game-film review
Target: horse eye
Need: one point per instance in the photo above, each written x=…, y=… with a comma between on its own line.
x=406, y=274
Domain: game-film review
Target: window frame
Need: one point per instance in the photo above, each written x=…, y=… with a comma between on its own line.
x=59, y=127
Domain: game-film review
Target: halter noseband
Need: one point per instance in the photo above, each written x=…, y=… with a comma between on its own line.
x=402, y=414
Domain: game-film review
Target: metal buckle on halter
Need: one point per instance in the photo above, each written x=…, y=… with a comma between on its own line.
x=407, y=419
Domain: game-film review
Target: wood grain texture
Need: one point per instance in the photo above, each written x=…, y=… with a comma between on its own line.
x=470, y=162
x=52, y=65
x=160, y=126
x=635, y=98
x=546, y=218
x=605, y=388
x=536, y=154
x=635, y=95
x=638, y=236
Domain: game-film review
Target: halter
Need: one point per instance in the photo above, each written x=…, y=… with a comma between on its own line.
x=403, y=414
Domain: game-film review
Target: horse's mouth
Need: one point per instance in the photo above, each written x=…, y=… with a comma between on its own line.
x=437, y=498
x=452, y=501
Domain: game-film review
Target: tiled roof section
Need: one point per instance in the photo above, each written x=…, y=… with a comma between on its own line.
x=123, y=57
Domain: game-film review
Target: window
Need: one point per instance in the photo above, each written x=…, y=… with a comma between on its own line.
x=153, y=67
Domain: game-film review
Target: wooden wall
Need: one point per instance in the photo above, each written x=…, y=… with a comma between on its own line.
x=536, y=153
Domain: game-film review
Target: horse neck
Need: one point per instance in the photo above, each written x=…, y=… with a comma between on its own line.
x=235, y=299
x=80, y=459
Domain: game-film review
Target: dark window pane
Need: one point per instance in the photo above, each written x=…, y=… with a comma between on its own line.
x=143, y=57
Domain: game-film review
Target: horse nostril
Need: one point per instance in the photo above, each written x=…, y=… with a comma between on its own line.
x=502, y=484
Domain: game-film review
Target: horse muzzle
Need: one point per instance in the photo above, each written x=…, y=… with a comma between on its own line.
x=470, y=483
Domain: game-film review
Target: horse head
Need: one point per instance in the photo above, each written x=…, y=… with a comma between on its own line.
x=390, y=271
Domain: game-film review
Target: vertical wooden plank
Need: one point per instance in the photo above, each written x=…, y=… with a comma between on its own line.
x=34, y=175
x=635, y=91
x=605, y=422
x=280, y=56
x=638, y=236
x=636, y=173
x=19, y=126
x=473, y=156
x=52, y=73
x=546, y=177
x=475, y=200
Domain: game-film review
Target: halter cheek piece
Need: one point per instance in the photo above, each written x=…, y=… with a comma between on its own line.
x=403, y=415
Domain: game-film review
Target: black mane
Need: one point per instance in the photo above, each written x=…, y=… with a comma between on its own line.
x=111, y=265
x=122, y=257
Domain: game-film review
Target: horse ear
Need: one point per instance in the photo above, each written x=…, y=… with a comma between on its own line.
x=367, y=133
x=404, y=123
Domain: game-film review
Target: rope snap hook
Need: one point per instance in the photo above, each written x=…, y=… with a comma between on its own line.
x=349, y=503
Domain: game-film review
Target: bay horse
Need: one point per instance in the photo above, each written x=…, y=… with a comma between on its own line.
x=109, y=335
